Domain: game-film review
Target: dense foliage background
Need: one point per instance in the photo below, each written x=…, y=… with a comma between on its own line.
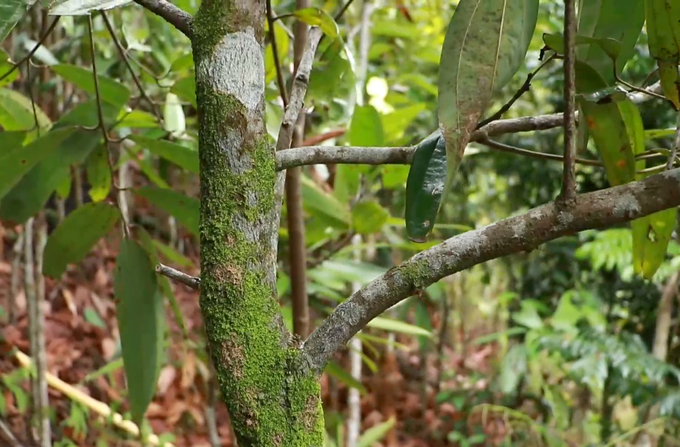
x=560, y=346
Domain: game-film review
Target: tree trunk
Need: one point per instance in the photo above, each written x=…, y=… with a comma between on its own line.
x=272, y=397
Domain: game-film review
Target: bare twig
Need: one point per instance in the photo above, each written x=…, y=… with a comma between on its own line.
x=126, y=60
x=522, y=90
x=188, y=280
x=525, y=232
x=569, y=177
x=33, y=50
x=9, y=436
x=172, y=14
x=533, y=154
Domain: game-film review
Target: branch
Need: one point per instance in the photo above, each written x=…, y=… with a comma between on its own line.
x=568, y=175
x=525, y=232
x=311, y=155
x=172, y=14
x=188, y=280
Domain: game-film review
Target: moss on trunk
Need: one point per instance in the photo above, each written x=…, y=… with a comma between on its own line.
x=271, y=400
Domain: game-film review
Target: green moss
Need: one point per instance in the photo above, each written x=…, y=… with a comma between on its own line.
x=415, y=273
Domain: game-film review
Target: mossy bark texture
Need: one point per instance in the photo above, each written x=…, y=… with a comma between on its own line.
x=272, y=400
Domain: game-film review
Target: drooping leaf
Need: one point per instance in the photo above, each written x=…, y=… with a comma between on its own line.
x=425, y=185
x=366, y=127
x=18, y=161
x=185, y=89
x=485, y=44
x=76, y=235
x=139, y=311
x=368, y=217
x=180, y=155
x=34, y=189
x=185, y=209
x=10, y=13
x=99, y=174
x=663, y=39
x=111, y=91
x=320, y=18
x=335, y=370
x=607, y=124
x=651, y=236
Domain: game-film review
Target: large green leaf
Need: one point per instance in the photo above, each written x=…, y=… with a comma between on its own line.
x=484, y=46
x=616, y=19
x=335, y=370
x=75, y=236
x=282, y=45
x=320, y=203
x=86, y=114
x=366, y=127
x=663, y=38
x=425, y=185
x=10, y=13
x=185, y=209
x=6, y=65
x=111, y=91
x=18, y=161
x=139, y=310
x=368, y=217
x=34, y=189
x=16, y=112
x=176, y=153
x=391, y=325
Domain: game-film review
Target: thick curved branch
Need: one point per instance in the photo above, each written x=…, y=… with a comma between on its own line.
x=522, y=233
x=310, y=155
x=172, y=14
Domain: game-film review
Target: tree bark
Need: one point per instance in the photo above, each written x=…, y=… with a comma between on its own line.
x=271, y=400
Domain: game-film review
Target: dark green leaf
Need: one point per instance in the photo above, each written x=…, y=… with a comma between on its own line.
x=111, y=91
x=16, y=112
x=176, y=153
x=34, y=189
x=18, y=161
x=10, y=13
x=185, y=209
x=424, y=186
x=139, y=311
x=663, y=38
x=76, y=235
x=5, y=66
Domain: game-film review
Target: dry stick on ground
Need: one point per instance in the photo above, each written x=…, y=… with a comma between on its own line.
x=569, y=177
x=513, y=235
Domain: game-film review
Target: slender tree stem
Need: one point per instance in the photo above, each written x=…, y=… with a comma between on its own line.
x=569, y=177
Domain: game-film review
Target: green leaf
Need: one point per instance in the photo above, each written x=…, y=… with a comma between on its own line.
x=376, y=433
x=171, y=254
x=366, y=127
x=10, y=13
x=6, y=65
x=320, y=18
x=616, y=127
x=180, y=155
x=76, y=235
x=111, y=91
x=185, y=209
x=424, y=186
x=84, y=7
x=138, y=119
x=333, y=75
x=185, y=89
x=86, y=114
x=282, y=45
x=139, y=310
x=616, y=26
x=395, y=123
x=316, y=201
x=368, y=217
x=390, y=325
x=663, y=39
x=16, y=112
x=34, y=189
x=11, y=139
x=99, y=174
x=335, y=370
x=18, y=161
x=485, y=44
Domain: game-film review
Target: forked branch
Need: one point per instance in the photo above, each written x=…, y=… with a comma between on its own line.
x=525, y=232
